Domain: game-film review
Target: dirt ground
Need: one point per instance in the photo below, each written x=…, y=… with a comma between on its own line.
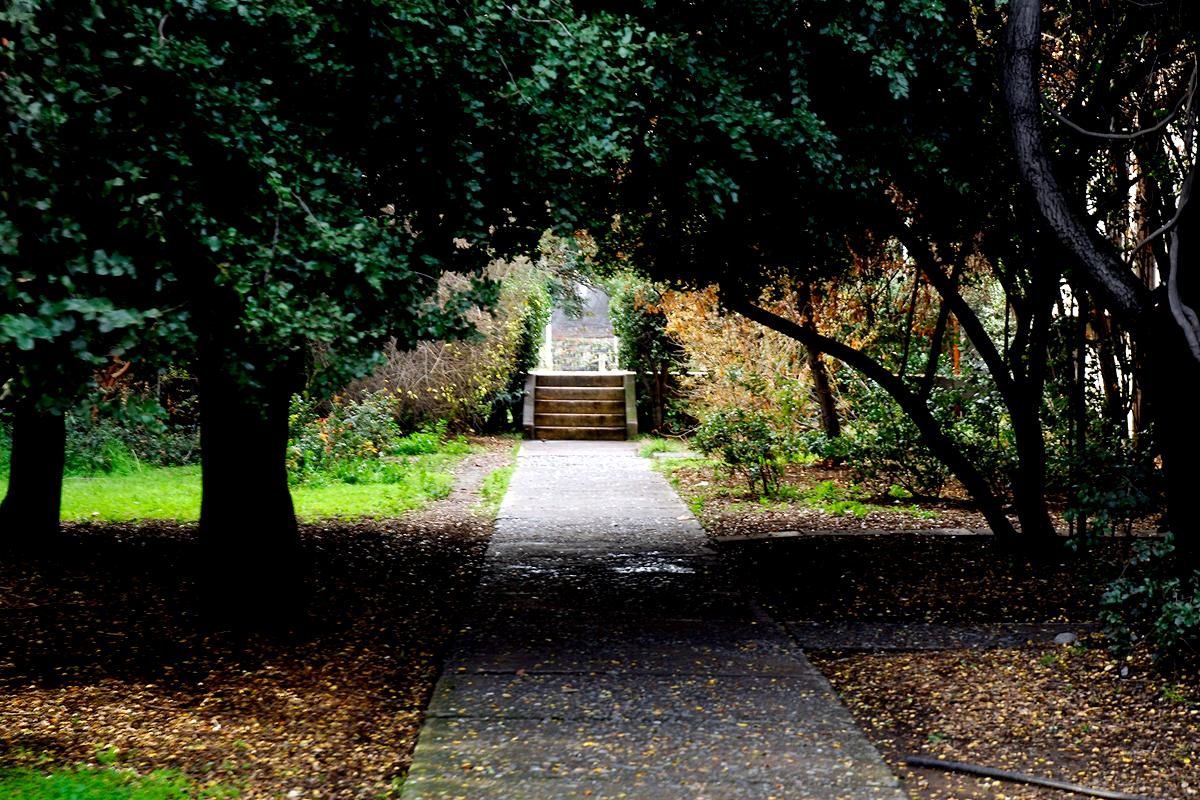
x=1070, y=712
x=104, y=658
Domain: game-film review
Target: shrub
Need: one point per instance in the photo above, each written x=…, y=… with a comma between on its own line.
x=1116, y=483
x=644, y=347
x=463, y=382
x=746, y=444
x=358, y=441
x=882, y=445
x=738, y=363
x=1153, y=601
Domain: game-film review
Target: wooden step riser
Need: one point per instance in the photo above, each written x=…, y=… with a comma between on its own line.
x=604, y=434
x=579, y=407
x=580, y=420
x=578, y=393
x=596, y=380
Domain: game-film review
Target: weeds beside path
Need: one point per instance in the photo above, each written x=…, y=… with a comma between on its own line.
x=104, y=661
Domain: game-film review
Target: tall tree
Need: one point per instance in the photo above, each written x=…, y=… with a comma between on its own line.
x=79, y=280
x=300, y=173
x=752, y=165
x=1131, y=83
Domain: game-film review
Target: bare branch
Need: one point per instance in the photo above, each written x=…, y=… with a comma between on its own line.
x=162, y=23
x=558, y=22
x=1167, y=226
x=1184, y=315
x=1164, y=122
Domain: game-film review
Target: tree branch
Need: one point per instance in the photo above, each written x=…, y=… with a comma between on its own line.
x=942, y=446
x=1184, y=315
x=1122, y=293
x=1164, y=122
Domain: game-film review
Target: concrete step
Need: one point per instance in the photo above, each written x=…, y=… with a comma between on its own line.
x=581, y=379
x=579, y=393
x=579, y=407
x=579, y=420
x=600, y=433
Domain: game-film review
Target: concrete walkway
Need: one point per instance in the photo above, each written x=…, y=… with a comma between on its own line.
x=608, y=656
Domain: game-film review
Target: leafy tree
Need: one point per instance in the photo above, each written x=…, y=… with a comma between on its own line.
x=751, y=166
x=293, y=175
x=80, y=276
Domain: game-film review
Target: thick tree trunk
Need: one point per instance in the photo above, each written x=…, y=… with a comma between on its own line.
x=822, y=385
x=1173, y=383
x=29, y=515
x=1175, y=388
x=823, y=388
x=247, y=522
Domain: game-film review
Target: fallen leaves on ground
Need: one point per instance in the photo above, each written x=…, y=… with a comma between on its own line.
x=1070, y=713
x=105, y=658
x=1074, y=713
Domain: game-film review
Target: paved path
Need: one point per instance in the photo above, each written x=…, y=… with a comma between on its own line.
x=608, y=656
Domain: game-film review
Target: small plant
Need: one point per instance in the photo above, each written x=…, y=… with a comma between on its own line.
x=1121, y=485
x=747, y=446
x=1153, y=600
x=1048, y=659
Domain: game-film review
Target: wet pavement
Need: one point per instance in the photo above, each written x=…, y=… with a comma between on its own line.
x=610, y=654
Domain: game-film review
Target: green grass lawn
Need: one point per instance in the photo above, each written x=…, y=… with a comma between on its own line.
x=173, y=493
x=90, y=783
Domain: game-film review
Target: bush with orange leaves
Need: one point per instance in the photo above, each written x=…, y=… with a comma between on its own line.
x=737, y=363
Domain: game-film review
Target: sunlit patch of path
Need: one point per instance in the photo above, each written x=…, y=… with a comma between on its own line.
x=609, y=655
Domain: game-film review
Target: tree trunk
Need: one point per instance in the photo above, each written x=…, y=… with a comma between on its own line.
x=29, y=515
x=822, y=386
x=1120, y=291
x=1175, y=387
x=1115, y=405
x=823, y=389
x=247, y=521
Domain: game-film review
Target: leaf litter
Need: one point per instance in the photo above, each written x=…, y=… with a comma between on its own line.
x=105, y=659
x=1074, y=712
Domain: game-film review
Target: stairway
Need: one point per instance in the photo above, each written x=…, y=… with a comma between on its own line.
x=580, y=405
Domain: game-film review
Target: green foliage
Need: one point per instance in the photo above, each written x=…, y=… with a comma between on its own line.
x=1153, y=601
x=1118, y=483
x=358, y=442
x=89, y=783
x=746, y=444
x=883, y=446
x=643, y=345
x=274, y=178
x=640, y=326
x=109, y=445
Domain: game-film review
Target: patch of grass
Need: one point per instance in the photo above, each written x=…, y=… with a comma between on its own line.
x=173, y=493
x=657, y=444
x=148, y=493
x=495, y=486
x=418, y=486
x=90, y=783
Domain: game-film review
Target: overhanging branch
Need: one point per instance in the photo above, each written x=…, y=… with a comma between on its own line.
x=942, y=446
x=1126, y=297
